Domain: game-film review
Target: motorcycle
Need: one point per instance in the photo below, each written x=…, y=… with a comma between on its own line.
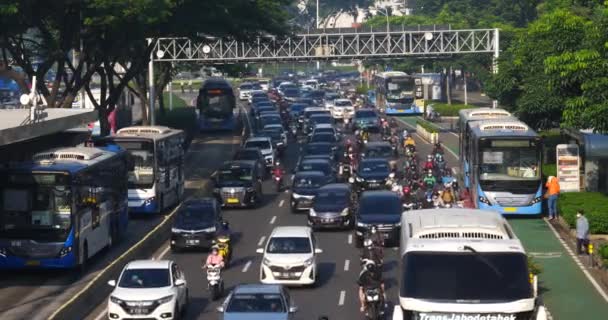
x=345, y=171
x=410, y=206
x=278, y=180
x=223, y=245
x=293, y=127
x=372, y=254
x=374, y=305
x=215, y=283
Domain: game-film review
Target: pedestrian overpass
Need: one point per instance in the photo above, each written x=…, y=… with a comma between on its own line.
x=329, y=44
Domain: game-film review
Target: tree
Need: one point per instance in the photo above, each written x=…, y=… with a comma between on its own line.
x=111, y=35
x=329, y=8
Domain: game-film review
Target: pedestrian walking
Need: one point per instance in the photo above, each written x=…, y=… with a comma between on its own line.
x=551, y=196
x=190, y=85
x=181, y=85
x=582, y=232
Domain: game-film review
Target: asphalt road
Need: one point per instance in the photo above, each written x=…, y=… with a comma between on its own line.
x=335, y=293
x=35, y=295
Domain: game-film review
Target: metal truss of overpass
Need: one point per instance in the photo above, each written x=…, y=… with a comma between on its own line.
x=329, y=46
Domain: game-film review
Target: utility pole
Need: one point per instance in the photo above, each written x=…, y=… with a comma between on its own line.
x=449, y=89
x=495, y=59
x=151, y=84
x=317, y=20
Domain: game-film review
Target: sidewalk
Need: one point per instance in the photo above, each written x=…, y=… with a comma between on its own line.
x=566, y=291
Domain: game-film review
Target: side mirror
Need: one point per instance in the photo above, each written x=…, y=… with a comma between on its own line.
x=179, y=282
x=112, y=283
x=260, y=250
x=220, y=309
x=293, y=309
x=317, y=250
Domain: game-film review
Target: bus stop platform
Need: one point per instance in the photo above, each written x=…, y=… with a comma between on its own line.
x=15, y=124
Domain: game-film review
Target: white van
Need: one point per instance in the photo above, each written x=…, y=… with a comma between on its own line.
x=464, y=264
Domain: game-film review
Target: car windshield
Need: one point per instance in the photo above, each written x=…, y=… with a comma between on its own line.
x=273, y=134
x=256, y=303
x=365, y=114
x=331, y=197
x=379, y=152
x=236, y=174
x=466, y=276
x=246, y=87
x=324, y=130
x=323, y=138
x=282, y=245
x=264, y=121
x=195, y=217
x=317, y=94
x=37, y=212
x=380, y=205
x=297, y=107
x=291, y=92
x=318, y=149
x=247, y=155
x=321, y=120
x=311, y=182
x=261, y=144
x=314, y=166
x=374, y=166
x=331, y=95
x=342, y=103
x=144, y=278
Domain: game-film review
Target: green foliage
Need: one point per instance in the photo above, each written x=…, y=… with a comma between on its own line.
x=603, y=252
x=594, y=205
x=549, y=169
x=363, y=89
x=534, y=267
x=181, y=118
x=429, y=127
x=177, y=101
x=447, y=110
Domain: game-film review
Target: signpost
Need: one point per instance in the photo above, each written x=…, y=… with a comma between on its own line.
x=568, y=167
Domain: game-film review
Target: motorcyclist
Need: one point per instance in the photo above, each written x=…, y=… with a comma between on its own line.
x=375, y=236
x=386, y=129
x=364, y=135
x=437, y=202
x=429, y=180
x=371, y=252
x=277, y=171
x=370, y=278
x=409, y=141
x=438, y=149
x=408, y=198
x=224, y=230
x=429, y=164
x=215, y=258
x=447, y=197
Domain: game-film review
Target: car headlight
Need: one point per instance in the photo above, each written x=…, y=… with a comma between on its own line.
x=362, y=224
x=484, y=200
x=3, y=252
x=266, y=261
x=398, y=224
x=359, y=179
x=344, y=212
x=250, y=189
x=64, y=251
x=536, y=200
x=210, y=229
x=149, y=200
x=308, y=262
x=115, y=300
x=164, y=299
x=312, y=212
x=175, y=230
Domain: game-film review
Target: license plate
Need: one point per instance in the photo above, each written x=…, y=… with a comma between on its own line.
x=385, y=235
x=328, y=220
x=32, y=263
x=195, y=241
x=232, y=200
x=138, y=311
x=286, y=274
x=510, y=209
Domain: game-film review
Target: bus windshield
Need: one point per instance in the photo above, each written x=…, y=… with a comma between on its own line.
x=399, y=88
x=142, y=152
x=217, y=105
x=41, y=212
x=503, y=160
x=465, y=276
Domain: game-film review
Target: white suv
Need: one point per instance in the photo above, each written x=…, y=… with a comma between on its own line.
x=342, y=109
x=245, y=91
x=149, y=289
x=290, y=257
x=265, y=146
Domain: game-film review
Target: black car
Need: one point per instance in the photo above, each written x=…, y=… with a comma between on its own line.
x=277, y=135
x=323, y=137
x=333, y=207
x=238, y=184
x=316, y=119
x=381, y=209
x=304, y=187
x=380, y=149
x=319, y=148
x=195, y=224
x=323, y=165
x=252, y=154
x=366, y=119
x=371, y=174
x=269, y=119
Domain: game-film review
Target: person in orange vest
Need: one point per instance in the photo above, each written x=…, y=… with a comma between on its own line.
x=551, y=195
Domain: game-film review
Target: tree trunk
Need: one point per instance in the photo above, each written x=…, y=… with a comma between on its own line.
x=104, y=125
x=140, y=90
x=448, y=86
x=161, y=102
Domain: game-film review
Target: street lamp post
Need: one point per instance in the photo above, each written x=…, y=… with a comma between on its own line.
x=317, y=20
x=387, y=21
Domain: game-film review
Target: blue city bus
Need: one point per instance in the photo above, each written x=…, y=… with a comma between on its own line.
x=395, y=93
x=505, y=166
x=216, y=106
x=465, y=118
x=62, y=207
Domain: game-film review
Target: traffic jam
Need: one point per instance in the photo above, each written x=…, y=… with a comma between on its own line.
x=335, y=167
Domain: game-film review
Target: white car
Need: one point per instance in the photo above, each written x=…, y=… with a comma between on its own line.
x=290, y=257
x=265, y=146
x=149, y=289
x=265, y=84
x=245, y=90
x=342, y=109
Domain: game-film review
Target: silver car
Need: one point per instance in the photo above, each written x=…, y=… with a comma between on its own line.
x=258, y=302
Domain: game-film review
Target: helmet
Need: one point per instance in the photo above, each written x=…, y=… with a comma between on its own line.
x=348, y=142
x=374, y=229
x=437, y=144
x=215, y=249
x=429, y=157
x=391, y=175
x=225, y=224
x=370, y=266
x=429, y=172
x=439, y=157
x=407, y=190
x=278, y=163
x=368, y=242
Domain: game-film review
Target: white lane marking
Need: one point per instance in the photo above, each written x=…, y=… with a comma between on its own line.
x=350, y=238
x=346, y=265
x=247, y=265
x=101, y=315
x=163, y=253
x=281, y=203
x=273, y=219
x=578, y=262
x=342, y=297
x=261, y=240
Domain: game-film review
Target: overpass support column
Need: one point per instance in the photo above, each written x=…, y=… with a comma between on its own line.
x=495, y=59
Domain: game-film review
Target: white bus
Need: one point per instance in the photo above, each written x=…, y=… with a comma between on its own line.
x=463, y=264
x=157, y=180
